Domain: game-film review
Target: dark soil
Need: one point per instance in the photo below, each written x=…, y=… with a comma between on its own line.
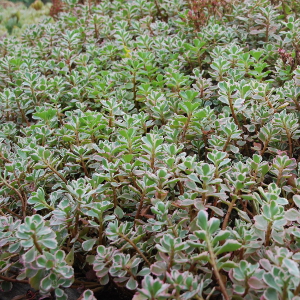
x=113, y=293
x=20, y=292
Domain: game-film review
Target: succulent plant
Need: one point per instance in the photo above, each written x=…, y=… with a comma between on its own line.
x=153, y=146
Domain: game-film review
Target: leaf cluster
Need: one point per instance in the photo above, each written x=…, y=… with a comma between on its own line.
x=142, y=149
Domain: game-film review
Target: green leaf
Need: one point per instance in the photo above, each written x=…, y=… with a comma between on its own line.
x=217, y=211
x=88, y=245
x=49, y=264
x=204, y=256
x=132, y=284
x=256, y=54
x=45, y=115
x=144, y=272
x=14, y=247
x=229, y=246
x=59, y=292
x=296, y=199
x=6, y=286
x=127, y=157
x=227, y=265
x=202, y=219
x=30, y=255
x=49, y=243
x=194, y=177
x=213, y=225
x=70, y=257
x=273, y=209
x=256, y=283
x=292, y=214
x=222, y=235
x=36, y=279
x=88, y=295
x=271, y=294
x=270, y=281
x=60, y=255
x=41, y=261
x=244, y=216
x=292, y=266
x=238, y=289
x=119, y=212
x=200, y=234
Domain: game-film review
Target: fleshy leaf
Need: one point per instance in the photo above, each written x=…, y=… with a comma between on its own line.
x=229, y=246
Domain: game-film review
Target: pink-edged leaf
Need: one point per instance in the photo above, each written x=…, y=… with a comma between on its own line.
x=256, y=284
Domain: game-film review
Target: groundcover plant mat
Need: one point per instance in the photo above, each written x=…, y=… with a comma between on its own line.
x=153, y=146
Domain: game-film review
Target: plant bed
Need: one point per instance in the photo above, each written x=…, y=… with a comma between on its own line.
x=24, y=291
x=150, y=150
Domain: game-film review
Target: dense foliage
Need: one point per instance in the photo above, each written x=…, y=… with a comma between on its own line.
x=153, y=145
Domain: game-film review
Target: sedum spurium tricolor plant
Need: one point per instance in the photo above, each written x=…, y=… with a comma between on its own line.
x=153, y=146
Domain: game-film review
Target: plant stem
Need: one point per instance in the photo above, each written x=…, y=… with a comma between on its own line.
x=267, y=31
x=137, y=216
x=115, y=197
x=296, y=101
x=23, y=201
x=136, y=104
x=265, y=147
x=100, y=231
x=98, y=289
x=56, y=172
x=96, y=31
x=232, y=111
x=13, y=279
x=171, y=257
x=77, y=135
x=36, y=244
x=77, y=219
x=86, y=173
x=24, y=119
x=215, y=269
x=135, y=247
x=185, y=127
x=268, y=234
x=171, y=225
x=226, y=219
x=279, y=176
x=11, y=212
x=152, y=159
x=269, y=102
x=290, y=142
x=226, y=144
x=158, y=9
x=4, y=158
x=297, y=290
x=180, y=187
x=284, y=291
